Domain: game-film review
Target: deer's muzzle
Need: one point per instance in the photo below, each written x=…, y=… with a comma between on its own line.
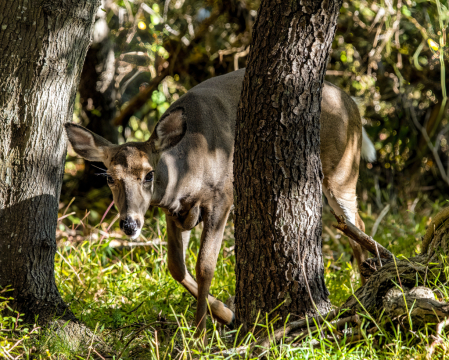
x=130, y=226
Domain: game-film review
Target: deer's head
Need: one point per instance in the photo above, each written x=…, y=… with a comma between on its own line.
x=131, y=167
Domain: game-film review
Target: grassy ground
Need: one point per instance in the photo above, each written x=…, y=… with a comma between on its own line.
x=126, y=295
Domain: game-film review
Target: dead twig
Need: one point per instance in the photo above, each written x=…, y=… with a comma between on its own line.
x=379, y=219
x=355, y=337
x=63, y=217
x=239, y=55
x=438, y=340
x=375, y=227
x=340, y=324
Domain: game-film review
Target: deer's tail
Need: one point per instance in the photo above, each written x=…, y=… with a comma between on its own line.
x=368, y=152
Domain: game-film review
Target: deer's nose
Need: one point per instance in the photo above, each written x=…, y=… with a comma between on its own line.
x=129, y=226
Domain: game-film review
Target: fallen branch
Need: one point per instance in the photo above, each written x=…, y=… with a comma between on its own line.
x=370, y=266
x=411, y=304
x=361, y=238
x=338, y=325
x=418, y=304
x=355, y=337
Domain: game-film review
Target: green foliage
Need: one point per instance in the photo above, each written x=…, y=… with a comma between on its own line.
x=392, y=55
x=14, y=336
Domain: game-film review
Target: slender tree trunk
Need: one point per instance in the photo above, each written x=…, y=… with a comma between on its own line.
x=277, y=165
x=97, y=94
x=43, y=44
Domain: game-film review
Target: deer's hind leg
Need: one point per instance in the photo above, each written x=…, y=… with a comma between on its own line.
x=343, y=200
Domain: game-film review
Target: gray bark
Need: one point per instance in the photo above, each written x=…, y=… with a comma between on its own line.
x=277, y=164
x=42, y=49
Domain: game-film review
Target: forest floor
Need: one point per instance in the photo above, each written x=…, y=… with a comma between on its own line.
x=124, y=293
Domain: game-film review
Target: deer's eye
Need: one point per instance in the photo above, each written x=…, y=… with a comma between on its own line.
x=149, y=177
x=110, y=180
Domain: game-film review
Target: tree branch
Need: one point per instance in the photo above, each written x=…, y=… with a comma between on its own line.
x=361, y=238
x=139, y=100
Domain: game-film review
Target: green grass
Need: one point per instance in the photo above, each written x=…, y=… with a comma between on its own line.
x=127, y=296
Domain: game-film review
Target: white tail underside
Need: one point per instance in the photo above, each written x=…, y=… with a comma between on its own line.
x=368, y=150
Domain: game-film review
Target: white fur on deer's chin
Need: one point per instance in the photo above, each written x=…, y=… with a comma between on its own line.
x=136, y=235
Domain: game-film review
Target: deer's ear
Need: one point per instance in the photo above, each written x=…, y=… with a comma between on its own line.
x=170, y=130
x=86, y=144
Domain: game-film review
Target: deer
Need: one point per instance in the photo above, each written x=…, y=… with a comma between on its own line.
x=186, y=169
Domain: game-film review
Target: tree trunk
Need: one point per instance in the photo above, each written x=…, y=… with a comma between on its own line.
x=277, y=165
x=97, y=95
x=42, y=49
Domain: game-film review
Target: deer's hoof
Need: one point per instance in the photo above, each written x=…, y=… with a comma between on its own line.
x=231, y=325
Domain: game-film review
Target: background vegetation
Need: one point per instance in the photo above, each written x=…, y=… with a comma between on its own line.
x=388, y=53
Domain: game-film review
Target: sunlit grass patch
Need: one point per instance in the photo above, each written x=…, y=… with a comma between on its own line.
x=126, y=295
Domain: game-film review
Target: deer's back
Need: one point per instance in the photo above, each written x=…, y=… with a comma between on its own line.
x=202, y=160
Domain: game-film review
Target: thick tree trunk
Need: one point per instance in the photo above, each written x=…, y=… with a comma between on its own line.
x=97, y=95
x=277, y=162
x=42, y=49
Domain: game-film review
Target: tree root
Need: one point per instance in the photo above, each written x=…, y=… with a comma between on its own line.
x=78, y=338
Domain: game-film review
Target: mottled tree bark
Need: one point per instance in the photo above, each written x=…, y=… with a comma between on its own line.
x=277, y=165
x=43, y=44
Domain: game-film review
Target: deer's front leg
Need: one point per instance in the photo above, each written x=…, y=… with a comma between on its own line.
x=211, y=238
x=178, y=241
